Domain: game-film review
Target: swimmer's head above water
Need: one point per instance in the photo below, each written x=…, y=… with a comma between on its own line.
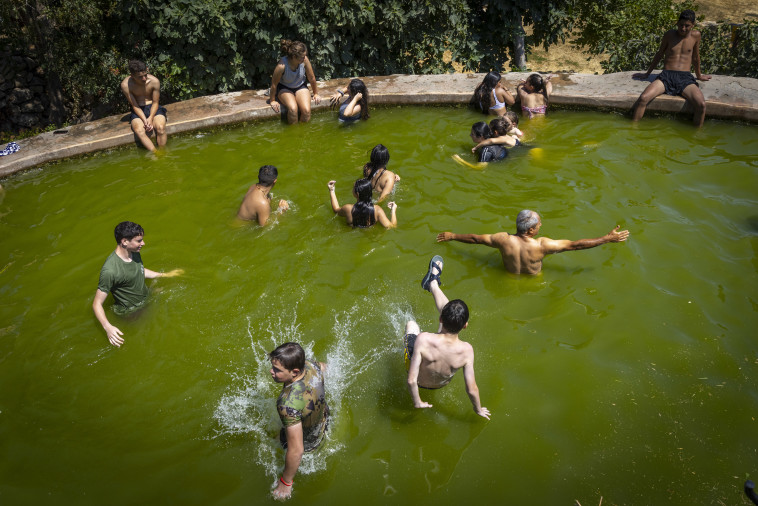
x=290, y=355
x=127, y=230
x=267, y=175
x=527, y=220
x=454, y=316
x=380, y=157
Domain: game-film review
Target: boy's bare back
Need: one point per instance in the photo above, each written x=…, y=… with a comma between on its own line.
x=442, y=355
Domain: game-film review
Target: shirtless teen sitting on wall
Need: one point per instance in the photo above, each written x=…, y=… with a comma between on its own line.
x=257, y=202
x=681, y=48
x=143, y=91
x=522, y=253
x=433, y=359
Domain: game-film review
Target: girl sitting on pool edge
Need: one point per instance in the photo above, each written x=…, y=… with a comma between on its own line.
x=288, y=83
x=382, y=180
x=355, y=106
x=362, y=214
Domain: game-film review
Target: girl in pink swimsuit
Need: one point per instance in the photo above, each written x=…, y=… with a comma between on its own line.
x=534, y=94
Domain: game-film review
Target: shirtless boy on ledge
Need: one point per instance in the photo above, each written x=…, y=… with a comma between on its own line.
x=681, y=48
x=143, y=92
x=433, y=359
x=522, y=253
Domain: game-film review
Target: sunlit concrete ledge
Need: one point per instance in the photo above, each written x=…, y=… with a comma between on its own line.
x=730, y=98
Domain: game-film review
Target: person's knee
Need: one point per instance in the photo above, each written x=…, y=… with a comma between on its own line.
x=138, y=127
x=411, y=327
x=305, y=116
x=160, y=128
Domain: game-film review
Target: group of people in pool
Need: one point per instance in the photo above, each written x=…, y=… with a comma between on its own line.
x=432, y=359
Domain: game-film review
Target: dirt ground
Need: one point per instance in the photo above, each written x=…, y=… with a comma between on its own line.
x=567, y=57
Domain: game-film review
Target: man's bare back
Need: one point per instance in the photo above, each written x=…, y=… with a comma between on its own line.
x=441, y=357
x=521, y=252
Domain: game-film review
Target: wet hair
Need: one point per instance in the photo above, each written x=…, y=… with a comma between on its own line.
x=290, y=355
x=267, y=175
x=538, y=85
x=482, y=130
x=687, y=15
x=525, y=220
x=363, y=210
x=454, y=316
x=499, y=126
x=293, y=48
x=137, y=66
x=357, y=86
x=512, y=117
x=127, y=230
x=380, y=157
x=483, y=92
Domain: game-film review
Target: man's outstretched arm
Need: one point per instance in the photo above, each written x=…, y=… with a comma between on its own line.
x=486, y=239
x=550, y=246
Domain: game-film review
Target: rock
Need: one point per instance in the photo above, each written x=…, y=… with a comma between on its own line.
x=21, y=95
x=30, y=64
x=18, y=63
x=37, y=90
x=26, y=120
x=32, y=106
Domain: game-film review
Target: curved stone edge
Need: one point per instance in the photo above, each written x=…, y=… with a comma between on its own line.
x=729, y=98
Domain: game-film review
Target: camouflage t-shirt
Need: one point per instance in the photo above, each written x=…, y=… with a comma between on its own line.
x=304, y=401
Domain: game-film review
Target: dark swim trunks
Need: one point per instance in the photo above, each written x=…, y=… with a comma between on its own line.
x=146, y=110
x=675, y=81
x=280, y=87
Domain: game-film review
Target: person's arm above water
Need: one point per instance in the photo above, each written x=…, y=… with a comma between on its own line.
x=413, y=370
x=292, y=458
x=353, y=107
x=155, y=97
x=381, y=216
x=341, y=211
x=471, y=388
x=551, y=246
x=506, y=140
x=275, y=78
x=311, y=76
x=696, y=58
x=136, y=109
x=486, y=239
x=113, y=333
x=170, y=274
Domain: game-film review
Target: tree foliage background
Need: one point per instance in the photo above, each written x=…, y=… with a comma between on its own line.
x=200, y=47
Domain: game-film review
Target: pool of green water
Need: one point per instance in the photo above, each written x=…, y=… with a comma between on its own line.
x=627, y=372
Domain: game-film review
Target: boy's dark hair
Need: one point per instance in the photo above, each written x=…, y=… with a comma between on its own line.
x=127, y=230
x=454, y=316
x=482, y=130
x=267, y=175
x=499, y=126
x=687, y=15
x=512, y=117
x=290, y=355
x=136, y=66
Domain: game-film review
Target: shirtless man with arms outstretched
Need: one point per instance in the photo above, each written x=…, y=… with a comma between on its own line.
x=681, y=49
x=257, y=202
x=522, y=253
x=433, y=359
x=143, y=92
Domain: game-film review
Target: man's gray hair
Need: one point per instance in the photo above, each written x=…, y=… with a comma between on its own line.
x=525, y=220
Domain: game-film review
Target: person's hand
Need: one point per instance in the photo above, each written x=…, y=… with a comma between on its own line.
x=483, y=412
x=392, y=206
x=317, y=98
x=616, y=236
x=284, y=205
x=473, y=150
x=642, y=76
x=397, y=178
x=330, y=185
x=148, y=125
x=422, y=404
x=114, y=335
x=274, y=105
x=282, y=492
x=444, y=236
x=705, y=77
x=358, y=96
x=335, y=99
x=172, y=274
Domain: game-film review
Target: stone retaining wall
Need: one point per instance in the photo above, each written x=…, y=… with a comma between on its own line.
x=23, y=94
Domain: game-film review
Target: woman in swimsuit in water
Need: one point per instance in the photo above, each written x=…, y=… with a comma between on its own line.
x=534, y=94
x=382, y=180
x=288, y=83
x=363, y=213
x=491, y=97
x=355, y=106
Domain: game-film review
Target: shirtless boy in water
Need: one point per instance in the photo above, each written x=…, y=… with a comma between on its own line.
x=681, y=48
x=435, y=358
x=257, y=202
x=143, y=91
x=522, y=253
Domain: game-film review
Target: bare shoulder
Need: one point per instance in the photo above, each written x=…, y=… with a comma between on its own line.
x=125, y=83
x=501, y=237
x=154, y=80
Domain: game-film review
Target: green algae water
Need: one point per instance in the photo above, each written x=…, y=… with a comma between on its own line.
x=627, y=372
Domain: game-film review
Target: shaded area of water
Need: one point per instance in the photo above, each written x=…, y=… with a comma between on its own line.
x=628, y=371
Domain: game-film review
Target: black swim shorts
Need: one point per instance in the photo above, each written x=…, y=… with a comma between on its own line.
x=146, y=111
x=675, y=81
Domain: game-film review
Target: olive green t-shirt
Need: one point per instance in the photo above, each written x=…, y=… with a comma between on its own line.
x=125, y=280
